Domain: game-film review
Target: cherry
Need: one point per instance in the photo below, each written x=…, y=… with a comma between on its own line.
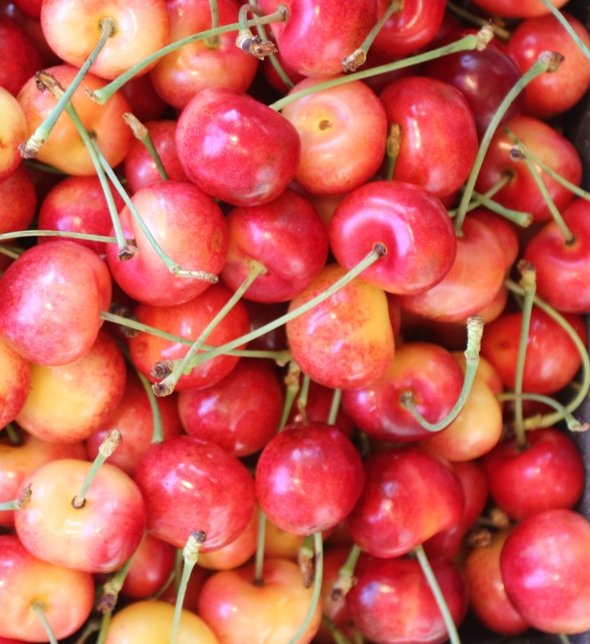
x=19, y=55
x=151, y=565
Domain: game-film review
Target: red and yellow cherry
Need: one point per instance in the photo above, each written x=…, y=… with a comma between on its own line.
x=13, y=131
x=150, y=568
x=18, y=201
x=15, y=380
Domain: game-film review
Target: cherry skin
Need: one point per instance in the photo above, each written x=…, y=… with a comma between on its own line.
x=546, y=572
x=152, y=563
x=412, y=224
x=240, y=413
x=67, y=595
x=13, y=131
x=15, y=380
x=438, y=134
x=356, y=316
x=339, y=151
x=525, y=9
x=273, y=235
x=317, y=408
x=18, y=201
x=98, y=537
x=408, y=497
x=145, y=103
x=235, y=148
x=49, y=314
x=19, y=55
x=192, y=485
x=547, y=474
x=308, y=478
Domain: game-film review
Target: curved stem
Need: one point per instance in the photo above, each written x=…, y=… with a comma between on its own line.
x=359, y=56
x=249, y=43
x=213, y=42
x=567, y=26
x=302, y=399
x=466, y=43
x=107, y=447
x=272, y=57
x=11, y=252
x=190, y=555
x=59, y=233
x=345, y=579
x=547, y=61
x=336, y=634
x=102, y=95
x=141, y=133
x=317, y=588
x=39, y=609
x=377, y=253
x=474, y=333
x=166, y=386
x=573, y=424
x=41, y=134
x=438, y=594
x=157, y=430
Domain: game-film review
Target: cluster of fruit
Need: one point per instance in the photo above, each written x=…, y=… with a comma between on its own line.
x=241, y=247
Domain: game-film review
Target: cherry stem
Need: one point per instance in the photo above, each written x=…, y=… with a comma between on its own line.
x=43, y=167
x=336, y=634
x=568, y=27
x=379, y=251
x=126, y=250
x=249, y=43
x=359, y=56
x=273, y=58
x=260, y=545
x=563, y=638
x=166, y=386
x=280, y=357
x=213, y=42
x=19, y=503
x=438, y=594
x=466, y=43
x=504, y=34
x=334, y=406
x=474, y=334
x=41, y=134
x=38, y=607
x=13, y=434
x=106, y=449
x=13, y=253
x=317, y=588
x=104, y=627
x=190, y=555
x=102, y=95
x=112, y=588
x=547, y=62
x=345, y=580
x=392, y=147
x=302, y=399
x=551, y=419
x=67, y=234
x=92, y=626
x=141, y=133
x=518, y=154
x=528, y=283
x=157, y=430
x=573, y=424
x=305, y=561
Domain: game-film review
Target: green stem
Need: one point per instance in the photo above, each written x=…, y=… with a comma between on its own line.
x=334, y=406
x=518, y=217
x=260, y=545
x=563, y=638
x=58, y=233
x=302, y=399
x=568, y=27
x=292, y=382
x=377, y=253
x=438, y=594
x=474, y=333
x=102, y=95
x=141, y=133
x=166, y=386
x=317, y=588
x=41, y=134
x=107, y=447
x=466, y=43
x=213, y=42
x=547, y=61
x=157, y=430
x=13, y=253
x=43, y=167
x=273, y=58
x=345, y=579
x=104, y=628
x=529, y=286
x=112, y=588
x=306, y=561
x=18, y=503
x=477, y=20
x=392, y=147
x=478, y=199
x=519, y=154
x=573, y=424
x=249, y=43
x=190, y=555
x=359, y=56
x=39, y=609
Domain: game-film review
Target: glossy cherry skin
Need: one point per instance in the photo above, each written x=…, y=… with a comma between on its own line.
x=140, y=169
x=411, y=28
x=13, y=131
x=235, y=148
x=392, y=602
x=339, y=28
x=188, y=320
x=273, y=235
x=98, y=537
x=408, y=497
x=240, y=413
x=18, y=201
x=547, y=474
x=308, y=478
x=554, y=93
x=67, y=595
x=152, y=563
x=427, y=370
x=339, y=151
x=270, y=612
x=19, y=55
x=191, y=485
x=545, y=565
x=438, y=134
x=193, y=232
x=15, y=380
x=357, y=317
x=552, y=359
x=521, y=193
x=181, y=74
x=524, y=9
x=487, y=595
x=49, y=313
x=412, y=224
x=562, y=268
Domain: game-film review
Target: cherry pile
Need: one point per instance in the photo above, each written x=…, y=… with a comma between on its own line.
x=292, y=321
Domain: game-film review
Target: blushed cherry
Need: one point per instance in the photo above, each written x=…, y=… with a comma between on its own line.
x=525, y=9
x=152, y=563
x=18, y=201
x=15, y=381
x=13, y=131
x=18, y=53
